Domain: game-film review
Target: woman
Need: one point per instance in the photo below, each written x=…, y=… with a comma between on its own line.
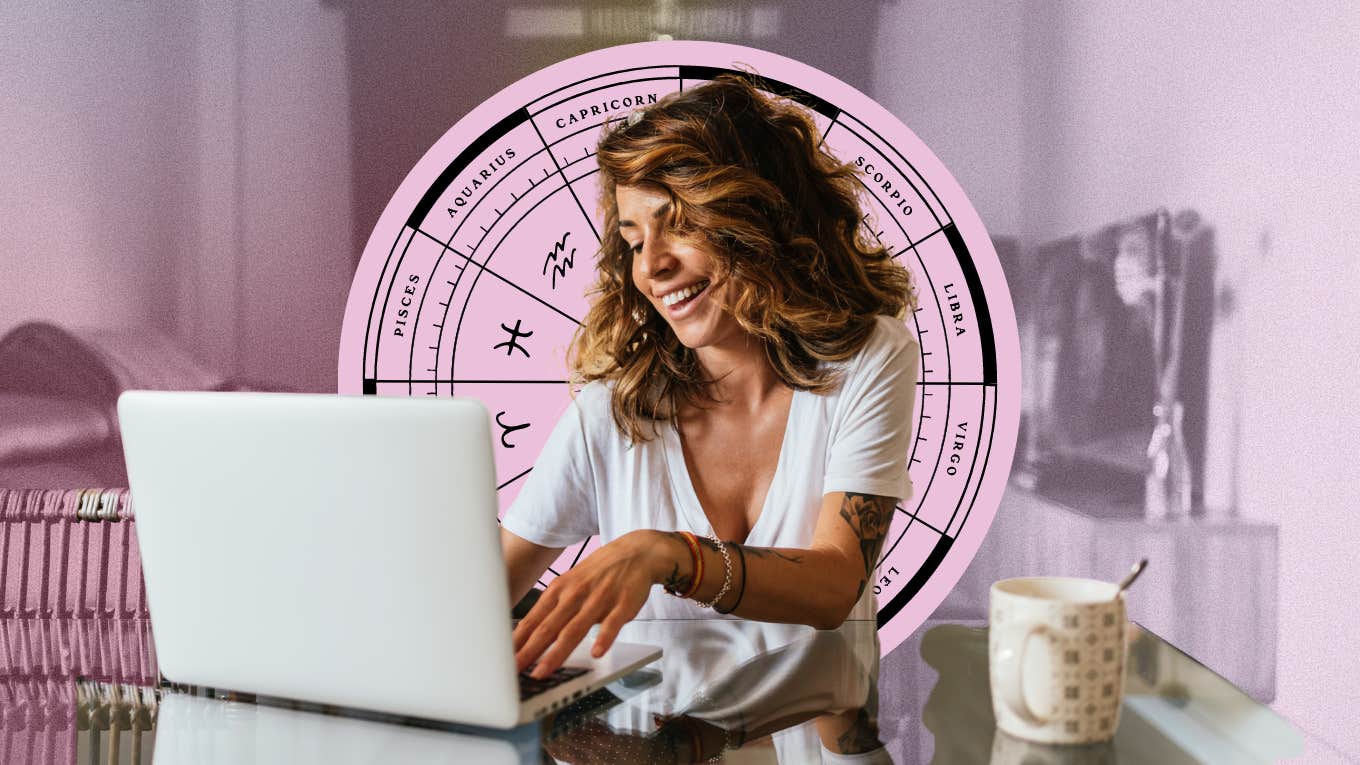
x=742, y=434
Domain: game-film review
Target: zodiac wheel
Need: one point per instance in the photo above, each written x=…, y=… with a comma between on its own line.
x=474, y=281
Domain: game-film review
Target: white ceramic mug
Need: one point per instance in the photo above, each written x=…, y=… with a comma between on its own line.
x=1056, y=651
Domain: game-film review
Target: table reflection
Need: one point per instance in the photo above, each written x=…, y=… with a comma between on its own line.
x=776, y=692
x=726, y=689
x=194, y=730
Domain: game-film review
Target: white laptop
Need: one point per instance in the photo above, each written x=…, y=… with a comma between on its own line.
x=336, y=549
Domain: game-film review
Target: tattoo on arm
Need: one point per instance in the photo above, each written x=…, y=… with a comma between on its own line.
x=770, y=552
x=868, y=516
x=755, y=552
x=677, y=583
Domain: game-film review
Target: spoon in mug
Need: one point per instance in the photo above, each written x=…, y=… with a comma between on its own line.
x=1133, y=574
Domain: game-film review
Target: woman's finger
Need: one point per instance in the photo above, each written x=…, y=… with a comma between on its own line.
x=542, y=637
x=609, y=630
x=567, y=640
x=526, y=627
x=538, y=643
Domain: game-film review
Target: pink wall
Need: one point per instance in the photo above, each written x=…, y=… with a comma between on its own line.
x=295, y=198
x=95, y=138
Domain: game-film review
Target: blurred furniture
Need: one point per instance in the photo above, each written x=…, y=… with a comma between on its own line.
x=58, y=393
x=1074, y=506
x=69, y=554
x=72, y=607
x=1093, y=354
x=1210, y=588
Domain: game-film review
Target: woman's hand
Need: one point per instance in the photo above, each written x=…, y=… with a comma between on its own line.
x=608, y=588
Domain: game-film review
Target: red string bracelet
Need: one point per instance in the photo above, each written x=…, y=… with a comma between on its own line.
x=693, y=543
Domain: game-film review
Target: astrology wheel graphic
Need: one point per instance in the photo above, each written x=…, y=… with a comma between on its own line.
x=474, y=280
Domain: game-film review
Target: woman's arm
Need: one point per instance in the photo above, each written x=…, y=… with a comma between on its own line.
x=525, y=562
x=817, y=586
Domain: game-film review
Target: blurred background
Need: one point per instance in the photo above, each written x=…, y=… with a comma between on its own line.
x=188, y=186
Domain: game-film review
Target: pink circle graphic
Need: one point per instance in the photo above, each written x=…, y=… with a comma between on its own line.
x=474, y=280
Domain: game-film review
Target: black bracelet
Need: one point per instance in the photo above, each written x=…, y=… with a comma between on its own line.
x=740, y=590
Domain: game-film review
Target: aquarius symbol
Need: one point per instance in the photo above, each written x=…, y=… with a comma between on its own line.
x=507, y=430
x=512, y=345
x=559, y=268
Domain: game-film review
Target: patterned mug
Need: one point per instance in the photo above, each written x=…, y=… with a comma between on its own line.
x=1056, y=651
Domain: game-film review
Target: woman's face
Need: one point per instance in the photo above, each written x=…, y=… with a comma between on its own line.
x=674, y=275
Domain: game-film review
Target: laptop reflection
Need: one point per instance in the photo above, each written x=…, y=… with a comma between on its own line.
x=204, y=731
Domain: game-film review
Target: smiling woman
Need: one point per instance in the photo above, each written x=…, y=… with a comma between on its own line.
x=742, y=432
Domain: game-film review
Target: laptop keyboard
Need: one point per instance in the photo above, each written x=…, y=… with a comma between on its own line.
x=532, y=686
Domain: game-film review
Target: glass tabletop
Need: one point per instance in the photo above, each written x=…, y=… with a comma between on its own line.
x=733, y=690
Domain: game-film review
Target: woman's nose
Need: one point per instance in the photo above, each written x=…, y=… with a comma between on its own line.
x=655, y=258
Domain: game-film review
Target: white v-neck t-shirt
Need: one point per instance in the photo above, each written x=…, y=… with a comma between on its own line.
x=591, y=480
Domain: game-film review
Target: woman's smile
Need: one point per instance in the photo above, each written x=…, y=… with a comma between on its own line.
x=681, y=302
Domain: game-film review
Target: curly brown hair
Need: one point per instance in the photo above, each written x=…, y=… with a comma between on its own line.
x=746, y=172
